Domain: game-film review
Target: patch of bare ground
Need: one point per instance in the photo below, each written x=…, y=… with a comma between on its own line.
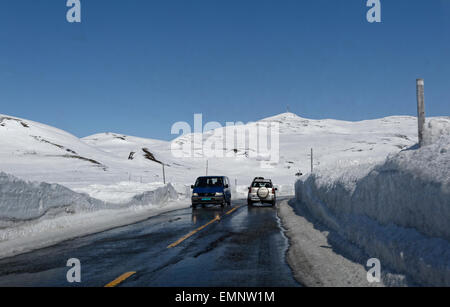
x=4, y=119
x=42, y=140
x=150, y=156
x=96, y=163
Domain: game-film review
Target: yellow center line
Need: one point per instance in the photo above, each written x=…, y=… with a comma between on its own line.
x=193, y=232
x=232, y=210
x=125, y=276
x=217, y=218
x=120, y=279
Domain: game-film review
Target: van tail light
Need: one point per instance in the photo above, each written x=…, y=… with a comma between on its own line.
x=273, y=190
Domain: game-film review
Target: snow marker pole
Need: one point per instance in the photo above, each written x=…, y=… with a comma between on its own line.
x=164, y=173
x=420, y=108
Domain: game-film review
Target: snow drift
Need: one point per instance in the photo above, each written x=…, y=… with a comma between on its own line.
x=397, y=211
x=21, y=200
x=38, y=214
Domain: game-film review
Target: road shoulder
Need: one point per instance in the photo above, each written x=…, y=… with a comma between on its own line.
x=312, y=259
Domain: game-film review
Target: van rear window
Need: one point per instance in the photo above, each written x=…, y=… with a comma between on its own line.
x=261, y=185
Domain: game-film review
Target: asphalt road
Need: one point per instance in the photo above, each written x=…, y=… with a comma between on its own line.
x=245, y=247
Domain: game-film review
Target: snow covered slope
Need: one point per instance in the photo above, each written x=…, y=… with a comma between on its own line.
x=140, y=160
x=38, y=152
x=34, y=151
x=333, y=141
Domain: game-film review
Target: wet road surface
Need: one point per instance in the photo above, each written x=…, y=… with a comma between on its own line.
x=245, y=247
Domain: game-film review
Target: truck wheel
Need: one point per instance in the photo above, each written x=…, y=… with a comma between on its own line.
x=249, y=203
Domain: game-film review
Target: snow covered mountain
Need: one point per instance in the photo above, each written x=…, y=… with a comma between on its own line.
x=333, y=142
x=35, y=151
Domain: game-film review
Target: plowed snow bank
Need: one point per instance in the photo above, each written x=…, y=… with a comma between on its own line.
x=398, y=211
x=38, y=214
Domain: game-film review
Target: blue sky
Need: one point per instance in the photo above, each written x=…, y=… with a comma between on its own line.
x=137, y=66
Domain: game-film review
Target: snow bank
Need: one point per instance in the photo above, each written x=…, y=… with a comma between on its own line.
x=119, y=193
x=398, y=211
x=37, y=214
x=21, y=200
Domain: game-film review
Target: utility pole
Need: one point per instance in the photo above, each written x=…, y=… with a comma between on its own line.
x=420, y=84
x=207, y=167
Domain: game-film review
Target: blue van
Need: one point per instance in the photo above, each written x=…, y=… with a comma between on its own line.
x=213, y=190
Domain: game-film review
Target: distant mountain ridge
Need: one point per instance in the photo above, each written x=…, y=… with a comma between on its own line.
x=35, y=151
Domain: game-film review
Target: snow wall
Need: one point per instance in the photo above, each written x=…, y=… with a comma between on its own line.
x=398, y=212
x=23, y=201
